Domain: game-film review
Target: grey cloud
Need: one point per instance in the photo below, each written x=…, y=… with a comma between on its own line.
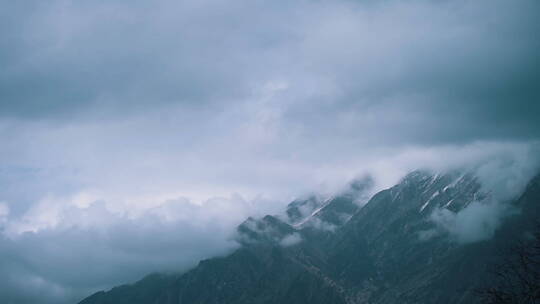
x=476, y=222
x=503, y=178
x=465, y=69
x=93, y=248
x=433, y=72
x=68, y=58
x=290, y=240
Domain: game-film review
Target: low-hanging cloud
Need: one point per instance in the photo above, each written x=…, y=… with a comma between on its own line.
x=290, y=240
x=66, y=254
x=503, y=177
x=477, y=222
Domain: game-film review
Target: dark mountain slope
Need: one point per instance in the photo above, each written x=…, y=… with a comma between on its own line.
x=258, y=274
x=413, y=268
x=144, y=291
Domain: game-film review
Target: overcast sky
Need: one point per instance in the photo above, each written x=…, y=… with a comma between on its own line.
x=135, y=135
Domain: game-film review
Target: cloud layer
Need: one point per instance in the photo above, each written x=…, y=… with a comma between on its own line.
x=127, y=127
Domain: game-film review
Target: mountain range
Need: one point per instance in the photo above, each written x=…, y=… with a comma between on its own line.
x=420, y=241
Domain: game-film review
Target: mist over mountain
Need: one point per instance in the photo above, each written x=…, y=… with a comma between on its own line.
x=396, y=248
x=274, y=140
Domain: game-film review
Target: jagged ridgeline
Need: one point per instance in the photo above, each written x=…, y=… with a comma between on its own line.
x=395, y=246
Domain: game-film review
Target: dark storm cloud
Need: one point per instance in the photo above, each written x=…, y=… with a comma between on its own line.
x=111, y=109
x=65, y=57
x=468, y=70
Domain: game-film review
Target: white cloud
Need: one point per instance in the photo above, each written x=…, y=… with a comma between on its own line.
x=4, y=212
x=54, y=248
x=477, y=222
x=290, y=240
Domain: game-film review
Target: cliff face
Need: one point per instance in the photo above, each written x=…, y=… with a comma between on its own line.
x=390, y=250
